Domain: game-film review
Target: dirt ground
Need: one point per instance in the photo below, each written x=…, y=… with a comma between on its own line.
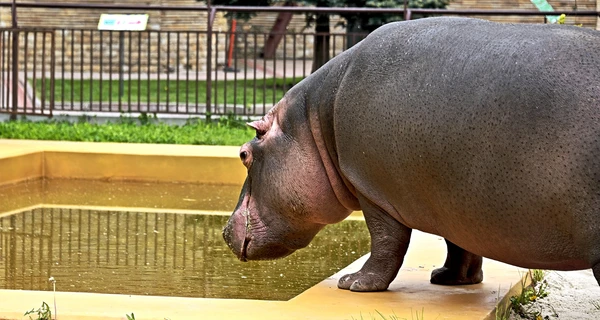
x=571, y=295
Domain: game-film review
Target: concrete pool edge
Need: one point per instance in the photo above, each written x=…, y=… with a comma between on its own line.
x=22, y=160
x=411, y=292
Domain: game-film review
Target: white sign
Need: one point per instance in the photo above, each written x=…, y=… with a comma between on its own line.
x=123, y=22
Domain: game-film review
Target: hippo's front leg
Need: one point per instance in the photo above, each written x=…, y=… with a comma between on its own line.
x=389, y=242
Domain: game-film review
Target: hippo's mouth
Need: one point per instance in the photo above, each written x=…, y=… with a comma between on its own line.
x=244, y=252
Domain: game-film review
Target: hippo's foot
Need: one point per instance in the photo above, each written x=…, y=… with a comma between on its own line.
x=461, y=267
x=389, y=242
x=450, y=277
x=362, y=282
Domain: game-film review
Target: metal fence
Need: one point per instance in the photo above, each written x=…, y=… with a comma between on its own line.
x=191, y=72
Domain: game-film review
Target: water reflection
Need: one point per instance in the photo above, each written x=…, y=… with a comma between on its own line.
x=158, y=254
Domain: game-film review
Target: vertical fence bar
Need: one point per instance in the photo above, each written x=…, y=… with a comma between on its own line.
x=149, y=69
x=110, y=64
x=235, y=69
x=44, y=84
x=26, y=60
x=62, y=68
x=81, y=55
x=197, y=85
x=211, y=15
x=159, y=71
x=216, y=82
x=139, y=66
x=284, y=84
x=245, y=71
x=15, y=66
x=274, y=79
x=2, y=73
x=168, y=69
x=73, y=70
x=304, y=55
x=34, y=72
x=101, y=54
x=188, y=66
x=129, y=67
x=254, y=73
x=176, y=68
x=52, y=72
x=294, y=58
x=91, y=98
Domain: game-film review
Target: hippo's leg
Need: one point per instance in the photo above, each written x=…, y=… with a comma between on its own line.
x=596, y=269
x=461, y=267
x=389, y=242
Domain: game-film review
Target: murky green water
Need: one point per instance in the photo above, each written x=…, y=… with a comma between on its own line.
x=158, y=253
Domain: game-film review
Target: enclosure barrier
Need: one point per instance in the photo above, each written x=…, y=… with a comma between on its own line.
x=195, y=73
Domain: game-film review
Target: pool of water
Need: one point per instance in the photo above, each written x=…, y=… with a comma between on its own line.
x=155, y=251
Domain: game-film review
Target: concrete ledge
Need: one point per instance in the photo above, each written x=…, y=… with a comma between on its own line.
x=24, y=160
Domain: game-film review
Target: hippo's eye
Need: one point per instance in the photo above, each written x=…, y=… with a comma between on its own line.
x=244, y=155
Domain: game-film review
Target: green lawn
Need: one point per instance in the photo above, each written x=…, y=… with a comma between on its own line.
x=268, y=91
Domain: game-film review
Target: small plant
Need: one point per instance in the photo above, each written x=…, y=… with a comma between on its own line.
x=537, y=275
x=42, y=313
x=130, y=317
x=529, y=294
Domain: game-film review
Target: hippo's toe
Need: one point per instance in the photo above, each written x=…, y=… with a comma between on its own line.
x=362, y=282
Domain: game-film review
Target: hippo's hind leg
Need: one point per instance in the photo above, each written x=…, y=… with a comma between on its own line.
x=596, y=270
x=461, y=267
x=389, y=242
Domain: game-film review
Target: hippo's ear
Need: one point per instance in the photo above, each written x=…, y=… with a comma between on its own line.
x=261, y=126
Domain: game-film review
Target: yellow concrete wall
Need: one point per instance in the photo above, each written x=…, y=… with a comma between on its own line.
x=119, y=161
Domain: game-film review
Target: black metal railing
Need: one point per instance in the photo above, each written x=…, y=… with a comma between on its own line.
x=190, y=72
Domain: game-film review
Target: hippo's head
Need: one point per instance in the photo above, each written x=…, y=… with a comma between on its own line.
x=287, y=196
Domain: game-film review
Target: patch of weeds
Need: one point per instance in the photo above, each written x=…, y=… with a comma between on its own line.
x=529, y=293
x=41, y=313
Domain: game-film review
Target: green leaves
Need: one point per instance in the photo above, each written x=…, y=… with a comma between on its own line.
x=227, y=131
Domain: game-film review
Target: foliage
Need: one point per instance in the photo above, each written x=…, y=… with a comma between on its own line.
x=367, y=22
x=42, y=313
x=226, y=131
x=529, y=294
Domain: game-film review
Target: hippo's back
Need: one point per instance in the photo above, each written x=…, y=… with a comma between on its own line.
x=479, y=132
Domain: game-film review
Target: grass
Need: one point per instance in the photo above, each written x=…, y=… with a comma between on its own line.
x=41, y=313
x=415, y=316
x=242, y=92
x=226, y=131
x=528, y=294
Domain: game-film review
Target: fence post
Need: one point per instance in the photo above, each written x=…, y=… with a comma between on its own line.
x=15, y=63
x=211, y=16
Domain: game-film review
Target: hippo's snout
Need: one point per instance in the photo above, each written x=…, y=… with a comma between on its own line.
x=238, y=244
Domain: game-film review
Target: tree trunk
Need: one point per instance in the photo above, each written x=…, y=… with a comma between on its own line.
x=277, y=31
x=321, y=45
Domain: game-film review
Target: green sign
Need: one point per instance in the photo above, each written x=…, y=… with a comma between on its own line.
x=543, y=5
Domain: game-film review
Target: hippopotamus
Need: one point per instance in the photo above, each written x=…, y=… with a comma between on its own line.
x=485, y=134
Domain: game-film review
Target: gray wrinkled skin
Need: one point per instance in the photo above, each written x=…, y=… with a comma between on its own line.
x=485, y=134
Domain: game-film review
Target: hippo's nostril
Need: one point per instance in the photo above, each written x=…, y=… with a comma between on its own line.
x=244, y=155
